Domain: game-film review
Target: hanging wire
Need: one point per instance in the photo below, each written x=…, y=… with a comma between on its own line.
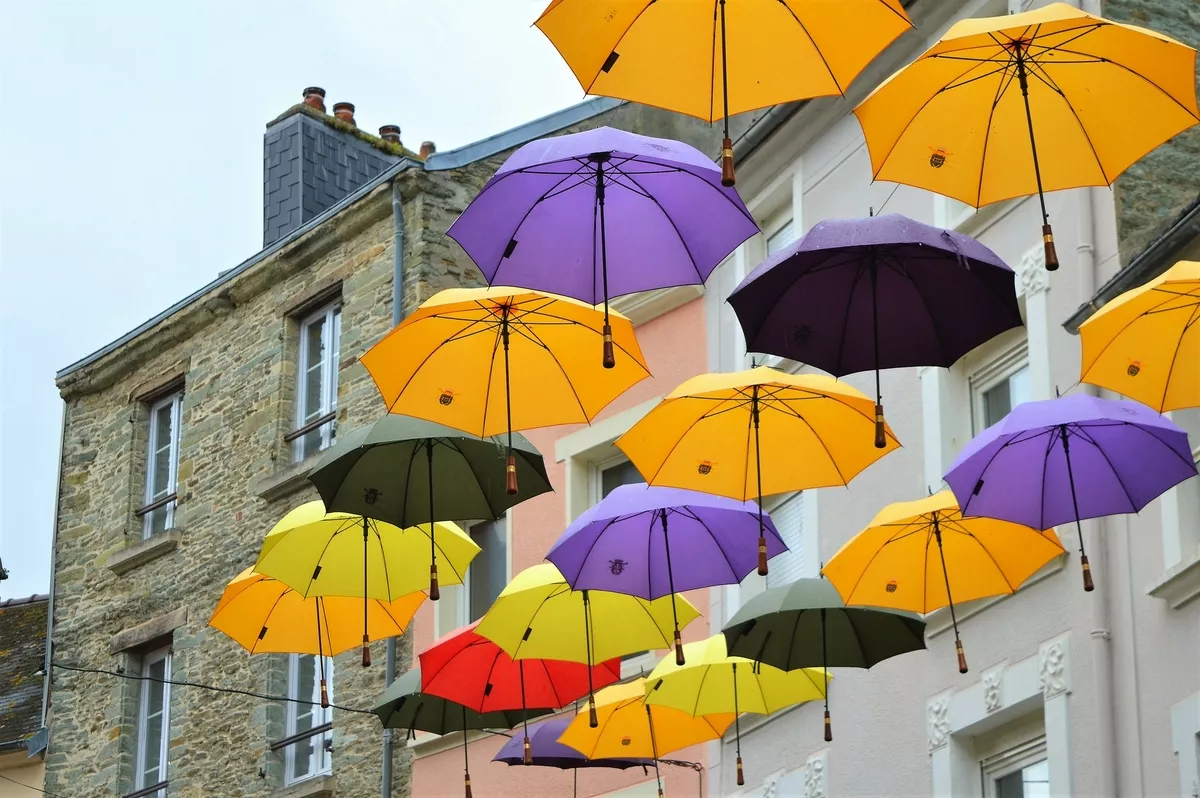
x=31, y=787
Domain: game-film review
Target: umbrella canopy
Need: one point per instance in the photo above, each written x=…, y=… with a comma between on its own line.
x=922, y=555
x=538, y=616
x=1059, y=461
x=601, y=213
x=549, y=752
x=454, y=358
x=404, y=706
x=632, y=727
x=338, y=554
x=1145, y=343
x=806, y=624
x=712, y=682
x=1048, y=99
x=474, y=671
x=699, y=60
x=877, y=293
x=623, y=544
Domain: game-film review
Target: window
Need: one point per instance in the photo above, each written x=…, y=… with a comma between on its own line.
x=317, y=377
x=485, y=578
x=999, y=387
x=1032, y=781
x=788, y=516
x=153, y=721
x=782, y=234
x=312, y=755
x=614, y=474
x=1020, y=772
x=162, y=465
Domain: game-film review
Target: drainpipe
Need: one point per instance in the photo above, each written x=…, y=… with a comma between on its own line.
x=47, y=674
x=389, y=668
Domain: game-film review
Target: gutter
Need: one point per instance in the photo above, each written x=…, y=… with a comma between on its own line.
x=1147, y=265
x=41, y=740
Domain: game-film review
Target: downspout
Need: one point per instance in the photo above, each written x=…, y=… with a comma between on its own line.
x=389, y=668
x=47, y=674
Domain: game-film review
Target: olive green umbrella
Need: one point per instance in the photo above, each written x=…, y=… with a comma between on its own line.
x=404, y=706
x=806, y=624
x=406, y=471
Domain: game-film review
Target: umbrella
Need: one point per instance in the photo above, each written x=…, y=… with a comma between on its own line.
x=404, y=706
x=549, y=752
x=449, y=362
x=538, y=616
x=556, y=210
x=631, y=727
x=1008, y=106
x=806, y=624
x=1145, y=343
x=667, y=54
x=895, y=562
x=623, y=544
x=706, y=436
x=337, y=554
x=265, y=616
x=472, y=670
x=711, y=683
x=1059, y=461
x=383, y=471
x=878, y=293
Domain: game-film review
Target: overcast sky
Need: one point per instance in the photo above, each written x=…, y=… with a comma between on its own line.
x=132, y=166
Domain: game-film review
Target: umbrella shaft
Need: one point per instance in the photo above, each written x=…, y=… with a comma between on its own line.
x=1023, y=80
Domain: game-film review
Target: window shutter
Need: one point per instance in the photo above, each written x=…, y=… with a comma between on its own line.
x=788, y=516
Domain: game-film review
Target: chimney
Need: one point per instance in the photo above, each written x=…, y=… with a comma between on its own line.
x=427, y=148
x=390, y=133
x=344, y=112
x=314, y=97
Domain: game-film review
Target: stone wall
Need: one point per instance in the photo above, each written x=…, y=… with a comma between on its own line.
x=1156, y=189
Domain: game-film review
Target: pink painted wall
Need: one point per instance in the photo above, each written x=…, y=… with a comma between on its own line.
x=674, y=347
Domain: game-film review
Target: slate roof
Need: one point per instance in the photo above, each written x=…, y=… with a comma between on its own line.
x=22, y=656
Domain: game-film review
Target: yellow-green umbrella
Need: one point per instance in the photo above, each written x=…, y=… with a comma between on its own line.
x=714, y=683
x=338, y=554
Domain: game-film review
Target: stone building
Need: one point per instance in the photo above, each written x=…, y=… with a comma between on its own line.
x=186, y=439
x=22, y=695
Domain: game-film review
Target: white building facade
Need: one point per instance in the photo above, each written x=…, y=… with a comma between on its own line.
x=1069, y=693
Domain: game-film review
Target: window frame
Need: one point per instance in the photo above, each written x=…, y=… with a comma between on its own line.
x=990, y=374
x=1012, y=760
x=331, y=338
x=460, y=595
x=173, y=400
x=320, y=752
x=141, y=720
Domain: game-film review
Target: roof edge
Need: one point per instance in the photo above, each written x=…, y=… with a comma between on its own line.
x=16, y=602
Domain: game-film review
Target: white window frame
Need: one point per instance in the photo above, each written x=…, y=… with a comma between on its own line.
x=142, y=721
x=1179, y=583
x=175, y=402
x=460, y=595
x=331, y=335
x=1014, y=760
x=996, y=370
x=323, y=764
x=597, y=475
x=1185, y=741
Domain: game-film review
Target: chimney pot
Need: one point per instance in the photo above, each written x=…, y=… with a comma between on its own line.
x=390, y=133
x=427, y=148
x=314, y=96
x=344, y=112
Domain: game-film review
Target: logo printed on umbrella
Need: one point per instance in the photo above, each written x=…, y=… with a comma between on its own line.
x=891, y=586
x=446, y=398
x=371, y=495
x=626, y=741
x=705, y=467
x=938, y=159
x=801, y=333
x=617, y=567
x=1134, y=368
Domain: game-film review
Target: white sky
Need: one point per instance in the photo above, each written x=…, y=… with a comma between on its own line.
x=131, y=158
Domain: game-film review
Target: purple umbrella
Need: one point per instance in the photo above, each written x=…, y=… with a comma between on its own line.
x=1061, y=460
x=622, y=544
x=559, y=208
x=877, y=293
x=543, y=749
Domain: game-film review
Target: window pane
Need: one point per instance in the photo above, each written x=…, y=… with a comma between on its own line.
x=624, y=473
x=1031, y=782
x=156, y=521
x=311, y=363
x=780, y=238
x=997, y=403
x=1018, y=387
x=489, y=569
x=152, y=716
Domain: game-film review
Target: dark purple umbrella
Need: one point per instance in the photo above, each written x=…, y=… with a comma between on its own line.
x=622, y=544
x=1062, y=460
x=602, y=213
x=877, y=293
x=544, y=749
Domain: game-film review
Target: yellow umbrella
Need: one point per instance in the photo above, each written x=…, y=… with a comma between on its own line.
x=712, y=682
x=814, y=433
x=449, y=362
x=693, y=57
x=631, y=727
x=1049, y=99
x=338, y=554
x=923, y=555
x=265, y=616
x=1145, y=344
x=538, y=616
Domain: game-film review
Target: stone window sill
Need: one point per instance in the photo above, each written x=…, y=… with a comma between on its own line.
x=142, y=552
x=1179, y=584
x=287, y=481
x=939, y=621
x=316, y=787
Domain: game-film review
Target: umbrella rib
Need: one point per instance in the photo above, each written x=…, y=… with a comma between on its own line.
x=813, y=42
x=1050, y=439
x=700, y=689
x=267, y=617
x=863, y=572
x=1001, y=88
x=859, y=639
x=1079, y=433
x=617, y=43
x=720, y=548
x=1049, y=81
x=533, y=205
x=487, y=396
x=387, y=581
x=495, y=512
x=321, y=556
x=1011, y=587
x=1175, y=356
x=860, y=270
x=746, y=460
x=675, y=227
x=1133, y=71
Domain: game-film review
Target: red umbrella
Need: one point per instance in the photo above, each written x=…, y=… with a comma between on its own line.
x=471, y=670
